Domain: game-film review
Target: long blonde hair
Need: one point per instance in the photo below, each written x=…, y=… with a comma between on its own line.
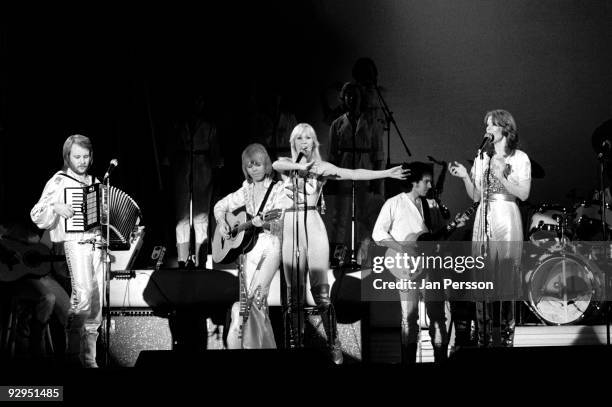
x=304, y=129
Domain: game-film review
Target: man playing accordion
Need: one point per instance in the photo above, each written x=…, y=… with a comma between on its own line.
x=85, y=265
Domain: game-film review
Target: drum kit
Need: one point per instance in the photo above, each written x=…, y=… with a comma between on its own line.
x=566, y=281
x=571, y=254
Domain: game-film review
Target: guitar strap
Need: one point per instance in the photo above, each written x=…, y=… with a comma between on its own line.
x=426, y=213
x=263, y=202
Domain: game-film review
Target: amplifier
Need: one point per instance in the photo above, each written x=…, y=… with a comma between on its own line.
x=133, y=331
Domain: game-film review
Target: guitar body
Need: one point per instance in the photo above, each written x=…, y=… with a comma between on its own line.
x=227, y=250
x=403, y=273
x=243, y=235
x=19, y=259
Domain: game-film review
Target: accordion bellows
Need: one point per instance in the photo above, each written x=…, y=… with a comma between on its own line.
x=89, y=204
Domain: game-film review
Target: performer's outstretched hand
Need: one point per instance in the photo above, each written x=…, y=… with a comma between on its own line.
x=458, y=170
x=398, y=172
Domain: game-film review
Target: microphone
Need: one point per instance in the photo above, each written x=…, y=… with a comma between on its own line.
x=299, y=157
x=486, y=139
x=113, y=163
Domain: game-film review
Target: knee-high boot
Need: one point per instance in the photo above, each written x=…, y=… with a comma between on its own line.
x=293, y=338
x=484, y=321
x=440, y=353
x=328, y=317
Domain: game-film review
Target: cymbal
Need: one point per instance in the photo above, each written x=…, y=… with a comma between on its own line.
x=601, y=135
x=537, y=171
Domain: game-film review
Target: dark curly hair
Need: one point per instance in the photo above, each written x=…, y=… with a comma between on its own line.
x=418, y=170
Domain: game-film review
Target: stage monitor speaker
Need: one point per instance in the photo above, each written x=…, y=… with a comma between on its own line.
x=349, y=335
x=168, y=361
x=135, y=331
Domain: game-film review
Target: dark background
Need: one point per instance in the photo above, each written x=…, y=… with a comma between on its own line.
x=123, y=77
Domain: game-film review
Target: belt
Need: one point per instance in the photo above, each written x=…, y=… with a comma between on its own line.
x=501, y=197
x=301, y=209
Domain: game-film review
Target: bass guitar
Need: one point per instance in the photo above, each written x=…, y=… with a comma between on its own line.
x=240, y=313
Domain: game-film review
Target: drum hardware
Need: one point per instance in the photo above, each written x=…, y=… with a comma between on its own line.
x=602, y=143
x=550, y=227
x=588, y=220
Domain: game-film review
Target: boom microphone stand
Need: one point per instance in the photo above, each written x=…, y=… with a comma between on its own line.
x=390, y=119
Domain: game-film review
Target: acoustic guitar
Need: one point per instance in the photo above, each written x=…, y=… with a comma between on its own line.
x=19, y=259
x=242, y=235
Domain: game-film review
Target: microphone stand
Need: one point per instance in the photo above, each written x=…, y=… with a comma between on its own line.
x=191, y=256
x=390, y=119
x=602, y=166
x=105, y=247
x=484, y=246
x=296, y=278
x=602, y=157
x=353, y=266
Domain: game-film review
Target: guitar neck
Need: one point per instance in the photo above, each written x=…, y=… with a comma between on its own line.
x=453, y=224
x=243, y=226
x=247, y=225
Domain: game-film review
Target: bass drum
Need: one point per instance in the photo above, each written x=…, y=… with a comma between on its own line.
x=563, y=289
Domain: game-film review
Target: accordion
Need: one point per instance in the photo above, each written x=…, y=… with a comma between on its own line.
x=89, y=204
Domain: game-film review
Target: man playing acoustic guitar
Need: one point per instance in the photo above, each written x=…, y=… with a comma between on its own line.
x=28, y=273
x=402, y=219
x=261, y=196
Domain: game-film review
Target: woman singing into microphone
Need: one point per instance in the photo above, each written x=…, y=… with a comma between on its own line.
x=497, y=179
x=310, y=240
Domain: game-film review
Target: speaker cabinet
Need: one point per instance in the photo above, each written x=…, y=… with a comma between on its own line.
x=135, y=331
